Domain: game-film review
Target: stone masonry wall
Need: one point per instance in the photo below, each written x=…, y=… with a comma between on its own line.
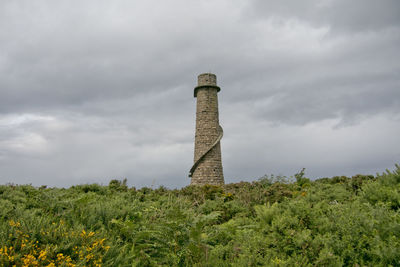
x=209, y=170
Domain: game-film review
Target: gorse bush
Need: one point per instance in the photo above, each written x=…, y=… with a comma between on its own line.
x=275, y=221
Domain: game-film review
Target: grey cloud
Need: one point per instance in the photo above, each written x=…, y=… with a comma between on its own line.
x=79, y=57
x=354, y=78
x=322, y=151
x=340, y=15
x=80, y=149
x=321, y=100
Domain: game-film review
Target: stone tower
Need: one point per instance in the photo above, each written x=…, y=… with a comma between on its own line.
x=207, y=167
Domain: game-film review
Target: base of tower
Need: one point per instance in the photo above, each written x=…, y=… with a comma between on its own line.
x=207, y=181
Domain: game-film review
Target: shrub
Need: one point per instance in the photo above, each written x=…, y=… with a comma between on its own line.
x=274, y=221
x=117, y=185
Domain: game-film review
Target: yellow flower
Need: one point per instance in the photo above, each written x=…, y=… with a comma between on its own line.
x=89, y=257
x=14, y=224
x=42, y=255
x=30, y=260
x=60, y=257
x=83, y=233
x=68, y=259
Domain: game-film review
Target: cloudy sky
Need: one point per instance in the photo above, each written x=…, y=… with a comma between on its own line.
x=97, y=90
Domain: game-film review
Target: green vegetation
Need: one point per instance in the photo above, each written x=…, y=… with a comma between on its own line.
x=274, y=221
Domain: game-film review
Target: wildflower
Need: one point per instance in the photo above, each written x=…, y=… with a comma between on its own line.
x=12, y=223
x=42, y=255
x=60, y=257
x=89, y=257
x=83, y=233
x=30, y=260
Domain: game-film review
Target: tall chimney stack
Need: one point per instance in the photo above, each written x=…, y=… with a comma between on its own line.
x=207, y=167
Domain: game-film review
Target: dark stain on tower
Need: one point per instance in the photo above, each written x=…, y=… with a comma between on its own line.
x=207, y=167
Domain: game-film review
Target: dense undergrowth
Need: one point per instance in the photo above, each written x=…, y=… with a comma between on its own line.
x=274, y=221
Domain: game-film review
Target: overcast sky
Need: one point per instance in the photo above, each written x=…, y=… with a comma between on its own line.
x=97, y=90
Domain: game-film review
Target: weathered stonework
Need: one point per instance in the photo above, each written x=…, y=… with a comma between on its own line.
x=207, y=168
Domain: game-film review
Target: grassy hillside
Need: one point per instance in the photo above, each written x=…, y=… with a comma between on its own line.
x=271, y=222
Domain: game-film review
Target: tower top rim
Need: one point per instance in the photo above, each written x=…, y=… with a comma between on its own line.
x=206, y=80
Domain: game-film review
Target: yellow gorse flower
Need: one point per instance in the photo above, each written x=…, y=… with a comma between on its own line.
x=12, y=223
x=28, y=251
x=42, y=255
